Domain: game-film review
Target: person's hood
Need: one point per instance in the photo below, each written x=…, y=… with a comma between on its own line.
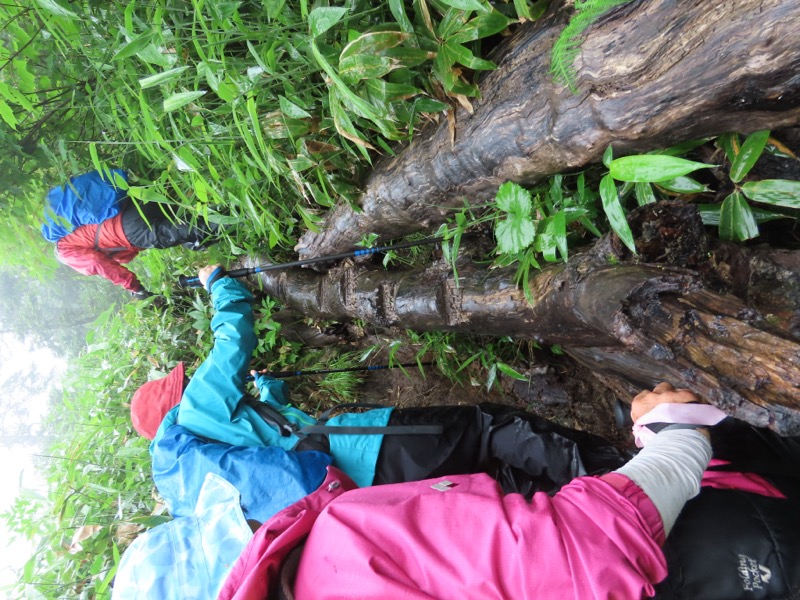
x=188, y=557
x=153, y=401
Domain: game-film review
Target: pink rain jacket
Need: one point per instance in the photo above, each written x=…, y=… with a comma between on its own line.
x=460, y=537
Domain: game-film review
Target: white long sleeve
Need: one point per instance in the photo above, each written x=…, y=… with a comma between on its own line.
x=669, y=470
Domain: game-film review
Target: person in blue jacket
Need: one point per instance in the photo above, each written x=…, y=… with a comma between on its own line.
x=209, y=425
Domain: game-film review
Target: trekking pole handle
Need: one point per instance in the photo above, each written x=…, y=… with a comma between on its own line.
x=194, y=282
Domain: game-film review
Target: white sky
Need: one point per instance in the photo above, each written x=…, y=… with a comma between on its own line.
x=16, y=465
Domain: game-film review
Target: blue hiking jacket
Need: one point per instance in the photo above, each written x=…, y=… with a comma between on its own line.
x=214, y=430
x=87, y=199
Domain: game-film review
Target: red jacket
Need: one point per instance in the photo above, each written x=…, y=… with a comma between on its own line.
x=89, y=255
x=596, y=538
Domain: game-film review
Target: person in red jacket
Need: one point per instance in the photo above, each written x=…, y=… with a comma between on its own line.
x=104, y=248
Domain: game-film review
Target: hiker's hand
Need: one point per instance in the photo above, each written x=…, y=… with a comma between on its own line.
x=141, y=294
x=209, y=274
x=664, y=392
x=271, y=389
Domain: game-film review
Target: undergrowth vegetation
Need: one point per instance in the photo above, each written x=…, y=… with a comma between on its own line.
x=259, y=116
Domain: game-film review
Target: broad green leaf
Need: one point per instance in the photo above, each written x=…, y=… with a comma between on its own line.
x=323, y=18
x=506, y=370
x=372, y=43
x=652, y=168
x=608, y=156
x=136, y=45
x=159, y=78
x=356, y=68
x=780, y=192
x=475, y=5
x=683, y=185
x=615, y=212
x=54, y=8
x=430, y=105
x=644, y=193
x=513, y=198
x=736, y=220
x=180, y=99
x=389, y=92
x=710, y=214
x=290, y=109
x=517, y=231
x=749, y=153
x=480, y=27
x=7, y=113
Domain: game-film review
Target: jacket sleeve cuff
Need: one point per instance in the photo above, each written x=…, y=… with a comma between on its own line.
x=215, y=276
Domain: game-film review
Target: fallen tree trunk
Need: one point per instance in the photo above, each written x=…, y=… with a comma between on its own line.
x=649, y=75
x=634, y=325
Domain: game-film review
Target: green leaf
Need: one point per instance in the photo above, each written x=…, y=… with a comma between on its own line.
x=430, y=105
x=399, y=14
x=7, y=113
x=463, y=55
x=176, y=101
x=608, y=156
x=372, y=43
x=615, y=212
x=644, y=193
x=356, y=68
x=652, y=167
x=159, y=78
x=780, y=192
x=475, y=5
x=323, y=18
x=710, y=214
x=54, y=8
x=290, y=109
x=683, y=147
x=136, y=45
x=506, y=370
x=517, y=230
x=749, y=153
x=736, y=220
x=683, y=185
x=480, y=27
x=553, y=237
x=729, y=142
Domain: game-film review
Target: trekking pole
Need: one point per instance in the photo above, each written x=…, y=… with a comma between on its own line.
x=285, y=374
x=186, y=281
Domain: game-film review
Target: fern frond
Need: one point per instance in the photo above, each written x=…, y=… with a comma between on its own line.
x=568, y=43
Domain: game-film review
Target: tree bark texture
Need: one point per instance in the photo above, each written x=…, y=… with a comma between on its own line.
x=649, y=74
x=631, y=323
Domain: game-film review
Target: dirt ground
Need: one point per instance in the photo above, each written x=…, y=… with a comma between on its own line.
x=560, y=392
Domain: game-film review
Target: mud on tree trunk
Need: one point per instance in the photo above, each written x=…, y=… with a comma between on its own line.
x=649, y=75
x=633, y=324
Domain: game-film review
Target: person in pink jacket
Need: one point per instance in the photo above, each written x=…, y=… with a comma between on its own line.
x=460, y=537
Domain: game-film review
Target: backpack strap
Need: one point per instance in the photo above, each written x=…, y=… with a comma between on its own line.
x=286, y=428
x=107, y=251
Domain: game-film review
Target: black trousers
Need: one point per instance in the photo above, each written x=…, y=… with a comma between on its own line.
x=523, y=452
x=161, y=229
